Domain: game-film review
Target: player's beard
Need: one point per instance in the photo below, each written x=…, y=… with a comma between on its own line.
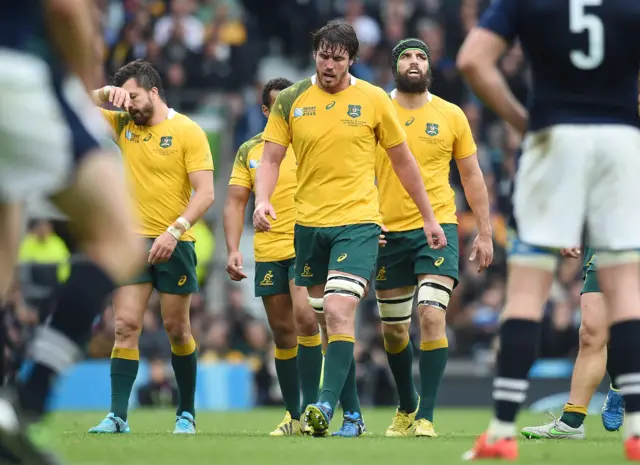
x=413, y=84
x=334, y=80
x=142, y=115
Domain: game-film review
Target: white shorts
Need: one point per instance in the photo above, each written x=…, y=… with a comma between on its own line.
x=576, y=176
x=46, y=127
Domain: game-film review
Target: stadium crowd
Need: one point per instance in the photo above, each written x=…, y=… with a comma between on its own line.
x=214, y=56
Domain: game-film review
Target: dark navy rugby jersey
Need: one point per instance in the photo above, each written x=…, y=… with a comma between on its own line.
x=23, y=27
x=584, y=55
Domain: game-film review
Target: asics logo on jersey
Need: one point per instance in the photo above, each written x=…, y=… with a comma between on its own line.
x=182, y=280
x=439, y=261
x=147, y=139
x=330, y=105
x=342, y=257
x=410, y=121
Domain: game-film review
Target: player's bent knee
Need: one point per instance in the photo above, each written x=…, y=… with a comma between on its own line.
x=396, y=310
x=306, y=320
x=127, y=327
x=395, y=334
x=593, y=337
x=346, y=286
x=178, y=330
x=433, y=294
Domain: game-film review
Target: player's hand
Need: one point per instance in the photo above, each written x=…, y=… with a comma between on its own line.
x=260, y=214
x=482, y=250
x=234, y=267
x=434, y=234
x=571, y=252
x=162, y=248
x=381, y=238
x=119, y=98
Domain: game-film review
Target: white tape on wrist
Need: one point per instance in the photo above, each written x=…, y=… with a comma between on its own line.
x=183, y=222
x=175, y=232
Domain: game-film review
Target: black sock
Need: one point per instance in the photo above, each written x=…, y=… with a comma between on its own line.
x=518, y=346
x=624, y=351
x=611, y=369
x=58, y=345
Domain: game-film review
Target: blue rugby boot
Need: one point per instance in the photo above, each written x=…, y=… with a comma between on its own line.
x=111, y=425
x=352, y=426
x=613, y=411
x=185, y=424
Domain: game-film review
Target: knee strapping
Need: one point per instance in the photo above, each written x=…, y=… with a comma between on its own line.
x=433, y=294
x=345, y=286
x=316, y=303
x=396, y=310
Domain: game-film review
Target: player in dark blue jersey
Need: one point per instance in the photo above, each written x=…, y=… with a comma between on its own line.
x=579, y=169
x=51, y=147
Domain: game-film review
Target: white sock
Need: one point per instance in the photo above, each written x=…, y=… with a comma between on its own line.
x=501, y=429
x=631, y=425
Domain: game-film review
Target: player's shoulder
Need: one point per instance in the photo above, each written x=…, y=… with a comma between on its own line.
x=446, y=106
x=371, y=90
x=184, y=122
x=245, y=149
x=296, y=89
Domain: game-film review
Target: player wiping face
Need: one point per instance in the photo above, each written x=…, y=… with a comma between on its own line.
x=139, y=102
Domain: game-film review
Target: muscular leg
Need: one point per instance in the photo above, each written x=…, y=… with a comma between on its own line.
x=129, y=305
x=619, y=278
x=433, y=298
x=281, y=320
x=339, y=310
x=528, y=285
x=396, y=306
x=589, y=368
x=309, y=344
x=97, y=205
x=177, y=324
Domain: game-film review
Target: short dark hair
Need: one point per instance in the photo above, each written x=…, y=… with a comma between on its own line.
x=335, y=35
x=144, y=74
x=278, y=83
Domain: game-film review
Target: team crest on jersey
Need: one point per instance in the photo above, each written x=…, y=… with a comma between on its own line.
x=166, y=141
x=432, y=129
x=354, y=111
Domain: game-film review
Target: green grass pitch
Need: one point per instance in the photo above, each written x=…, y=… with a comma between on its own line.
x=238, y=438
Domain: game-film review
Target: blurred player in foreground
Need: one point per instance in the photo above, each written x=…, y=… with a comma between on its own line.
x=166, y=157
x=437, y=131
x=334, y=123
x=298, y=360
x=52, y=138
x=578, y=170
x=589, y=367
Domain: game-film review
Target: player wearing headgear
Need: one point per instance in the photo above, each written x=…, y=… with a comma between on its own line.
x=334, y=123
x=579, y=169
x=437, y=132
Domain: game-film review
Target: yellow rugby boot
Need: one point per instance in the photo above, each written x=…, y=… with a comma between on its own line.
x=423, y=428
x=402, y=424
x=287, y=427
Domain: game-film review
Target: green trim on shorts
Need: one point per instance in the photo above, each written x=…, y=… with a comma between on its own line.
x=272, y=278
x=408, y=255
x=349, y=249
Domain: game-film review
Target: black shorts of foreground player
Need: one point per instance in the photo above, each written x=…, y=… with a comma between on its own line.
x=334, y=123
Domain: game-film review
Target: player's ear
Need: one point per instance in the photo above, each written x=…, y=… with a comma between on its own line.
x=154, y=93
x=351, y=62
x=265, y=111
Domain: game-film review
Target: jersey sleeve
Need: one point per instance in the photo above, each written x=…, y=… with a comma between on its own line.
x=240, y=174
x=277, y=129
x=197, y=153
x=388, y=129
x=116, y=119
x=501, y=17
x=463, y=146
